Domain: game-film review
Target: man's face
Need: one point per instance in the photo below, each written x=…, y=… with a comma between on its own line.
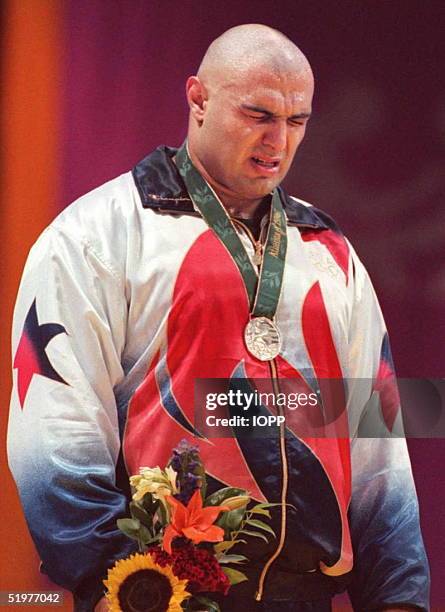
x=252, y=128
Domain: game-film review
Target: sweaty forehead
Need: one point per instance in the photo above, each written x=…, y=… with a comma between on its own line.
x=278, y=94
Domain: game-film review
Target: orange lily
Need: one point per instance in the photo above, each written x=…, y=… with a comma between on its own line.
x=193, y=521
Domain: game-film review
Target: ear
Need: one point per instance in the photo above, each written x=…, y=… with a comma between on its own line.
x=196, y=97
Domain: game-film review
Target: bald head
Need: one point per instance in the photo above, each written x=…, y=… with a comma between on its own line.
x=249, y=106
x=249, y=47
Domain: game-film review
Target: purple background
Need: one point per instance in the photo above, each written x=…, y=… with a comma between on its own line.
x=373, y=155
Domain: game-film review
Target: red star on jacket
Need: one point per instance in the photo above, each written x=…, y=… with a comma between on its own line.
x=31, y=357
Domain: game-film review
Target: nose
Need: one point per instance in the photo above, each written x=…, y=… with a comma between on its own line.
x=275, y=135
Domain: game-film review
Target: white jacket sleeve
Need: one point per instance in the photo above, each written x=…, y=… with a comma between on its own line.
x=390, y=565
x=64, y=428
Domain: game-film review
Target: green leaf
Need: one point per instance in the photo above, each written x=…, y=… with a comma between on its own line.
x=267, y=505
x=135, y=530
x=130, y=527
x=145, y=535
x=254, y=534
x=232, y=559
x=234, y=576
x=162, y=514
x=217, y=498
x=149, y=503
x=222, y=546
x=142, y=515
x=261, y=525
x=200, y=471
x=155, y=540
x=263, y=511
x=200, y=600
x=231, y=521
x=129, y=524
x=227, y=545
x=158, y=528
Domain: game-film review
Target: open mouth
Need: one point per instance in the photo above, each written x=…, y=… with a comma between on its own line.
x=265, y=164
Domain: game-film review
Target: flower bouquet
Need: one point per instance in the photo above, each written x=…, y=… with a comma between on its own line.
x=184, y=539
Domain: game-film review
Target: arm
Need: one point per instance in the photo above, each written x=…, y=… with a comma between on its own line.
x=63, y=439
x=390, y=566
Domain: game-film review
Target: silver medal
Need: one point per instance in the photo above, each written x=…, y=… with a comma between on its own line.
x=262, y=338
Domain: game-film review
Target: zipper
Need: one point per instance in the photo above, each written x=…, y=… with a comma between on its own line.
x=265, y=570
x=258, y=246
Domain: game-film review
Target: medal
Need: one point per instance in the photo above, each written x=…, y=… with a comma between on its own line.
x=262, y=338
x=261, y=335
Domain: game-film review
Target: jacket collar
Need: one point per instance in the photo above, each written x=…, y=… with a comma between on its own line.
x=162, y=189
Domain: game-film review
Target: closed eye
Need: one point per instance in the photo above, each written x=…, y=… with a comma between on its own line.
x=297, y=121
x=261, y=115
x=261, y=119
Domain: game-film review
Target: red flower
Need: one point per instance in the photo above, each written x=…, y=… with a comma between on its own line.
x=197, y=565
x=193, y=521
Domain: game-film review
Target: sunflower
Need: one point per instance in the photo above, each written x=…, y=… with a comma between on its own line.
x=138, y=584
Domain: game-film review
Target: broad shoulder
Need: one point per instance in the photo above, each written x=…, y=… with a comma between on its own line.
x=307, y=216
x=100, y=210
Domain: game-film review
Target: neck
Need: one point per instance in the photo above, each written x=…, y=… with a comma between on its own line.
x=236, y=206
x=243, y=209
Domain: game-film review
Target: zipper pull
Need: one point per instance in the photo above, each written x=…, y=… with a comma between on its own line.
x=258, y=255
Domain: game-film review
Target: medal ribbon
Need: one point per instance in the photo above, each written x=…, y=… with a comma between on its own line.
x=264, y=293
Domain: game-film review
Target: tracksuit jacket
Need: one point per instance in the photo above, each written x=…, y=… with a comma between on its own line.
x=127, y=299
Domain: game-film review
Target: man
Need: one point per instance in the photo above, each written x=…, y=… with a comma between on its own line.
x=145, y=285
